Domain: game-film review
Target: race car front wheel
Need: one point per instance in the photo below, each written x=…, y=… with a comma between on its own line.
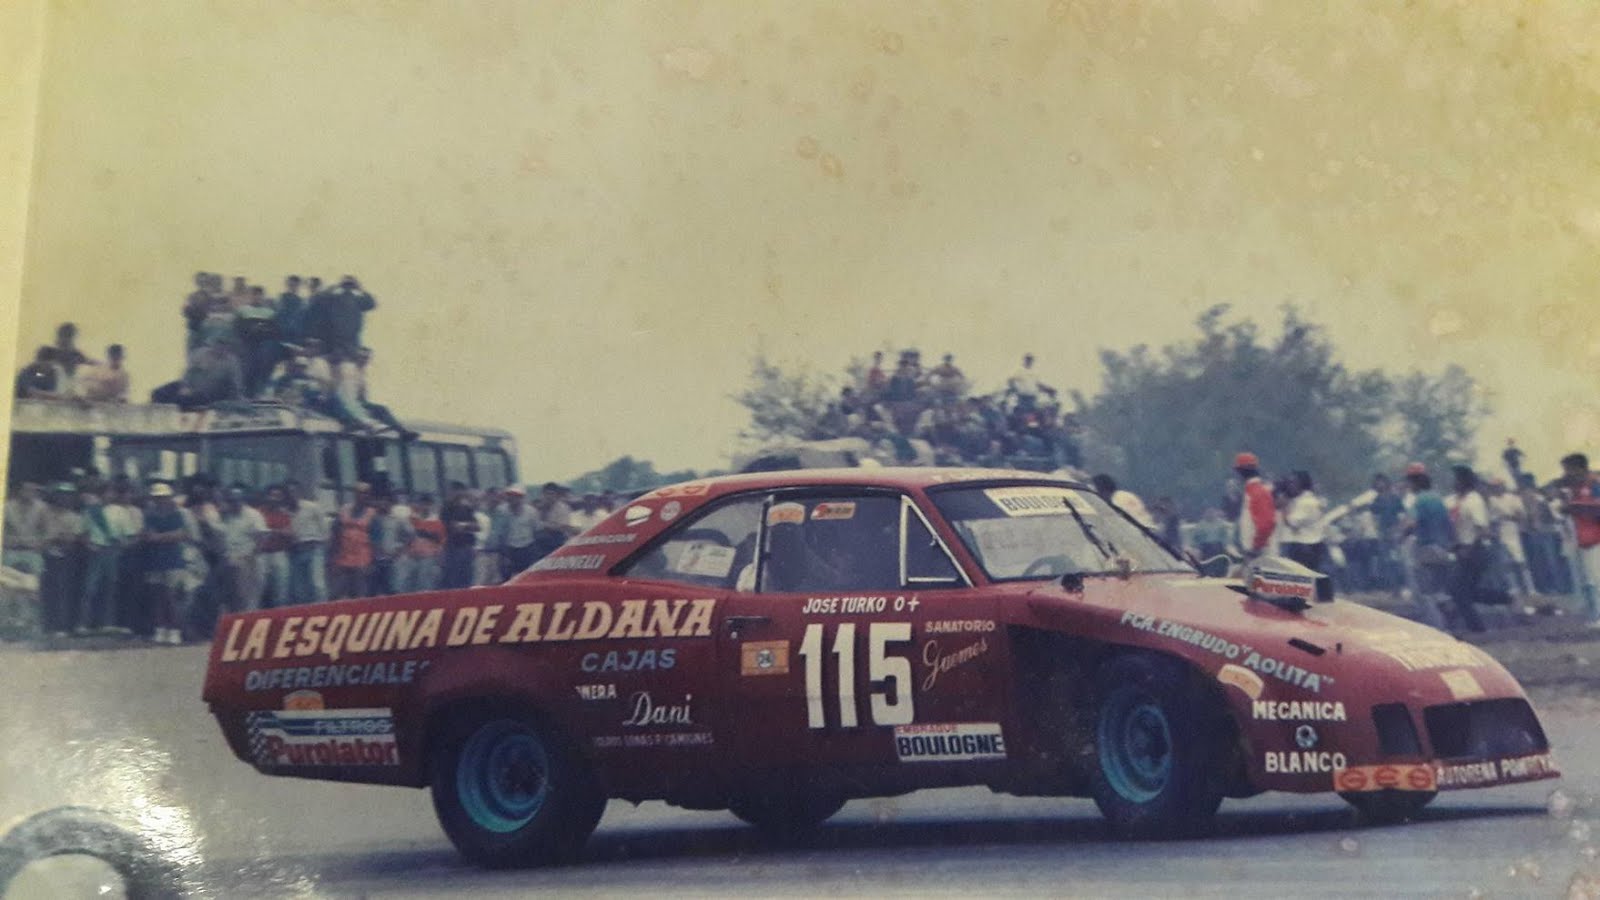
x=1160, y=745
x=511, y=791
x=1386, y=807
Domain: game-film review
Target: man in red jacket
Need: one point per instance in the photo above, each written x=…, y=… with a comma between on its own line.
x=1258, y=514
x=1582, y=495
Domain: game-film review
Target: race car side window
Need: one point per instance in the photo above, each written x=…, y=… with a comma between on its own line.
x=925, y=560
x=834, y=543
x=710, y=549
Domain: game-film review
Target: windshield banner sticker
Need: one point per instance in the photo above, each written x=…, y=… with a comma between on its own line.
x=1036, y=501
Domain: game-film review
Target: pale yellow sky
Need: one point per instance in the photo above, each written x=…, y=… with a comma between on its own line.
x=581, y=220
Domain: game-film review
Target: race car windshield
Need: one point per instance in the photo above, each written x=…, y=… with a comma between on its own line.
x=1046, y=531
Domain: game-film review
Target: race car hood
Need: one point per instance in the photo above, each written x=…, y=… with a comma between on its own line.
x=1266, y=647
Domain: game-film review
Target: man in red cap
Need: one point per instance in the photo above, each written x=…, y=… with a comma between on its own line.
x=1257, y=513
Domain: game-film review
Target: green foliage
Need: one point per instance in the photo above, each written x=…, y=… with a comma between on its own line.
x=1168, y=422
x=782, y=405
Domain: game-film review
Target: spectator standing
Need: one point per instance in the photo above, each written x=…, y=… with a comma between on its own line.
x=123, y=508
x=104, y=535
x=1508, y=518
x=24, y=530
x=1541, y=537
x=352, y=546
x=947, y=380
x=195, y=307
x=1581, y=501
x=419, y=566
x=275, y=547
x=1304, y=537
x=346, y=309
x=1431, y=537
x=1388, y=513
x=1211, y=536
x=62, y=584
x=1127, y=501
x=308, y=554
x=461, y=536
x=1258, y=512
x=291, y=313
x=491, y=542
x=877, y=380
x=68, y=356
x=260, y=347
x=1469, y=517
x=522, y=523
x=240, y=529
x=391, y=536
x=1023, y=386
x=165, y=534
x=1169, y=526
x=555, y=520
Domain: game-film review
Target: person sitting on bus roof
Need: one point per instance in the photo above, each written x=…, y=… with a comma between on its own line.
x=213, y=375
x=105, y=382
x=40, y=379
x=350, y=391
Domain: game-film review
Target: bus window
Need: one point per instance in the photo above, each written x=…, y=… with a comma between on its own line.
x=191, y=462
x=393, y=463
x=457, y=464
x=168, y=470
x=491, y=468
x=424, y=470
x=347, y=463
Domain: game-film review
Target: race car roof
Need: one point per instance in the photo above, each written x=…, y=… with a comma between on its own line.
x=896, y=477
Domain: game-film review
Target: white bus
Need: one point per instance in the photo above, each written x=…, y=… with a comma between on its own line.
x=256, y=444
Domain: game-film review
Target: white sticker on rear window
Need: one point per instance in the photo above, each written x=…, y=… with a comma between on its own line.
x=704, y=558
x=1037, y=501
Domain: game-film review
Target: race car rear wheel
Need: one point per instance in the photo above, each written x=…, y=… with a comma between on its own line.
x=511, y=791
x=786, y=815
x=1159, y=749
x=1386, y=807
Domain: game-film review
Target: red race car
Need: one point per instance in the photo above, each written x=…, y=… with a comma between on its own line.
x=777, y=644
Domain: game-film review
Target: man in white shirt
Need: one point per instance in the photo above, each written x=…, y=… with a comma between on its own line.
x=240, y=530
x=1508, y=518
x=1024, y=385
x=308, y=554
x=1469, y=516
x=1304, y=537
x=521, y=530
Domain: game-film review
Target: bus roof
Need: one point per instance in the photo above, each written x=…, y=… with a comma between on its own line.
x=158, y=420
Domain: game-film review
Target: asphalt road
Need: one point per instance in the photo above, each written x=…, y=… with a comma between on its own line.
x=124, y=730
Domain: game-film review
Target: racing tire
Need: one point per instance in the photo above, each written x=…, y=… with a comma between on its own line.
x=1388, y=807
x=511, y=791
x=1160, y=748
x=786, y=816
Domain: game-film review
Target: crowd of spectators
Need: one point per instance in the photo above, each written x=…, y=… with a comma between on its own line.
x=1486, y=541
x=903, y=411
x=302, y=348
x=161, y=561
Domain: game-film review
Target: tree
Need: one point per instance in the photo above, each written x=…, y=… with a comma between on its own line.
x=782, y=406
x=1169, y=422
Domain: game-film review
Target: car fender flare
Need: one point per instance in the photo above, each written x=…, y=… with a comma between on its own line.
x=492, y=680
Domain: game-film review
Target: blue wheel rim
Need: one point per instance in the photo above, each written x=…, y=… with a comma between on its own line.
x=503, y=776
x=1135, y=745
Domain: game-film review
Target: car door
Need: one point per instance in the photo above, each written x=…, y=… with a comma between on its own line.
x=857, y=642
